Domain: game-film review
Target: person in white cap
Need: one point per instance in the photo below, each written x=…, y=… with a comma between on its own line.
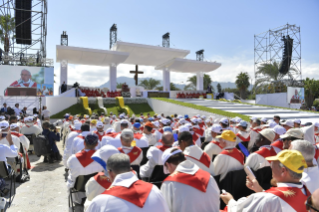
x=69, y=142
x=15, y=132
x=29, y=127
x=147, y=133
x=106, y=122
x=154, y=155
x=242, y=135
x=316, y=132
x=263, y=120
x=214, y=147
x=127, y=193
x=5, y=128
x=291, y=135
x=297, y=123
x=101, y=181
x=224, y=123
x=134, y=152
x=115, y=138
x=311, y=173
x=78, y=142
x=254, y=131
x=278, y=144
x=256, y=160
x=288, y=124
x=100, y=130
x=230, y=158
x=196, y=128
x=194, y=153
x=188, y=188
x=252, y=119
x=81, y=163
x=208, y=130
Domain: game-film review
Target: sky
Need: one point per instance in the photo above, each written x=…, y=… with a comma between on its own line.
x=225, y=29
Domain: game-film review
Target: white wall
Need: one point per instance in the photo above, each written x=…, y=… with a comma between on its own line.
x=272, y=99
x=57, y=104
x=170, y=108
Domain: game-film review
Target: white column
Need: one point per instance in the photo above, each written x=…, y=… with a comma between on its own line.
x=63, y=73
x=112, y=77
x=166, y=80
x=200, y=81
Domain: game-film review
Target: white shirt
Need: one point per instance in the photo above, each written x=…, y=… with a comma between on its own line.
x=31, y=130
x=108, y=203
x=154, y=156
x=310, y=178
x=6, y=151
x=68, y=147
x=184, y=198
x=46, y=113
x=108, y=140
x=196, y=153
x=263, y=202
x=17, y=111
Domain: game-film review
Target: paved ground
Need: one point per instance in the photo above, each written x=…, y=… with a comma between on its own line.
x=45, y=192
x=258, y=111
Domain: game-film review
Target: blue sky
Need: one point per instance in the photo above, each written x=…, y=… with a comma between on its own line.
x=224, y=28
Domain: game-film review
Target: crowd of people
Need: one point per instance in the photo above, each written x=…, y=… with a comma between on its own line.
x=178, y=163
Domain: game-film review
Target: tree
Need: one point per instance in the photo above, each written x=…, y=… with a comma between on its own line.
x=270, y=73
x=192, y=82
x=7, y=25
x=149, y=84
x=172, y=87
x=219, y=88
x=311, y=91
x=242, y=83
x=119, y=85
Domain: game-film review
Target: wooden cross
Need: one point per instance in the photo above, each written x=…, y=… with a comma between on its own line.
x=136, y=72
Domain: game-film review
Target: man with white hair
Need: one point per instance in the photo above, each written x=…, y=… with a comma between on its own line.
x=194, y=153
x=214, y=147
x=256, y=160
x=311, y=173
x=69, y=142
x=154, y=155
x=135, y=153
x=230, y=158
x=188, y=188
x=127, y=193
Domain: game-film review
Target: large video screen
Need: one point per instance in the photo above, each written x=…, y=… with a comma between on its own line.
x=295, y=95
x=41, y=78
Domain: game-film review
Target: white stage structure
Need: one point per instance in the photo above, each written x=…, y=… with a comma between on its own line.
x=162, y=58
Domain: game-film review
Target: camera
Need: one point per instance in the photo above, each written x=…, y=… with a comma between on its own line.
x=52, y=128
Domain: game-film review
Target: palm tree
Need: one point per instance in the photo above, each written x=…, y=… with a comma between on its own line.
x=119, y=85
x=219, y=88
x=311, y=91
x=242, y=83
x=270, y=72
x=172, y=87
x=7, y=25
x=192, y=82
x=149, y=84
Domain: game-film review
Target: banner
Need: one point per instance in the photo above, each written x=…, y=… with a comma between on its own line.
x=295, y=95
x=41, y=78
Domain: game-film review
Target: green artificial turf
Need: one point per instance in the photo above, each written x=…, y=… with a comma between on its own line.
x=203, y=108
x=78, y=109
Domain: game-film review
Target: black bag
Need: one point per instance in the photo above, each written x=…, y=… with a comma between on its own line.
x=42, y=145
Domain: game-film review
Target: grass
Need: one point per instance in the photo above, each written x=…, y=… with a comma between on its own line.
x=206, y=109
x=78, y=109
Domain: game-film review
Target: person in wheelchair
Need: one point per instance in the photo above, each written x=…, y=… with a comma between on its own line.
x=7, y=151
x=52, y=135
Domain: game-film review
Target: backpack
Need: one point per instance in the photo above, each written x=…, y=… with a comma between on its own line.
x=41, y=145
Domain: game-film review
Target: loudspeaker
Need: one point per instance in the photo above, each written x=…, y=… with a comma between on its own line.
x=286, y=55
x=23, y=21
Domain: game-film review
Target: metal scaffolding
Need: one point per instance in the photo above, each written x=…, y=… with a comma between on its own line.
x=24, y=54
x=268, y=48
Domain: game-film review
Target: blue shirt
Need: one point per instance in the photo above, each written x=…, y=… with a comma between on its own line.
x=52, y=138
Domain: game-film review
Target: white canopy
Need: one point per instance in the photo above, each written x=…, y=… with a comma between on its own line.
x=85, y=56
x=188, y=66
x=148, y=55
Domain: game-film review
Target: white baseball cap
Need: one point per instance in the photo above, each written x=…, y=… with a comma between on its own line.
x=294, y=132
x=124, y=121
x=224, y=121
x=217, y=128
x=180, y=116
x=102, y=155
x=13, y=126
x=77, y=125
x=122, y=115
x=271, y=124
x=4, y=125
x=264, y=120
x=268, y=133
x=99, y=124
x=297, y=121
x=194, y=120
x=182, y=121
x=289, y=123
x=165, y=121
x=167, y=154
x=317, y=124
x=253, y=118
x=2, y=118
x=279, y=130
x=155, y=123
x=183, y=129
x=159, y=116
x=203, y=117
x=189, y=125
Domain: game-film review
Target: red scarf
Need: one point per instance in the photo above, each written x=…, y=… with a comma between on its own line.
x=133, y=154
x=279, y=144
x=138, y=136
x=103, y=180
x=265, y=152
x=235, y=153
x=84, y=157
x=99, y=135
x=195, y=138
x=199, y=180
x=217, y=143
x=136, y=194
x=243, y=138
x=204, y=159
x=163, y=148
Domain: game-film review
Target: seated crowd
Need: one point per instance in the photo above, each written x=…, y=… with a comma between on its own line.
x=179, y=163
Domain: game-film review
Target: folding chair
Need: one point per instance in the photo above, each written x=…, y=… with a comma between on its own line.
x=5, y=174
x=22, y=177
x=79, y=186
x=158, y=176
x=145, y=159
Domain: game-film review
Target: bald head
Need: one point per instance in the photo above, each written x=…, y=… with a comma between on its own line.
x=168, y=139
x=315, y=199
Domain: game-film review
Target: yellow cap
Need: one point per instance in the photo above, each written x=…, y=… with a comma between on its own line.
x=227, y=135
x=292, y=159
x=94, y=121
x=172, y=116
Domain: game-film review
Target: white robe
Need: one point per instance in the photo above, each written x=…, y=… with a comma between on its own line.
x=184, y=198
x=212, y=149
x=208, y=134
x=31, y=130
x=78, y=143
x=196, y=152
x=310, y=178
x=68, y=147
x=138, y=160
x=154, y=156
x=224, y=164
x=108, y=203
x=108, y=140
x=151, y=138
x=263, y=202
x=142, y=142
x=256, y=161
